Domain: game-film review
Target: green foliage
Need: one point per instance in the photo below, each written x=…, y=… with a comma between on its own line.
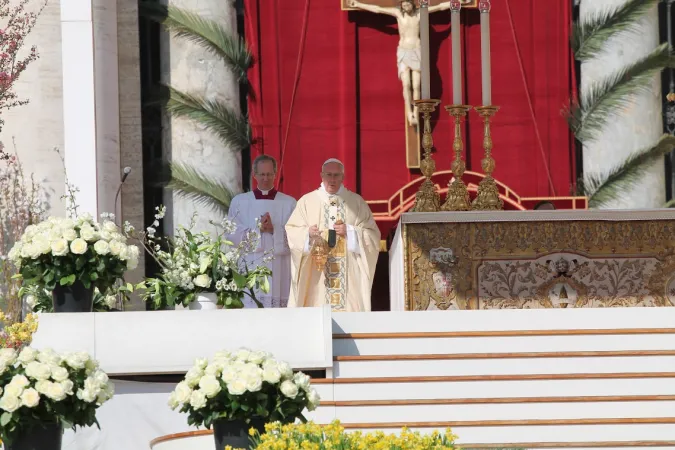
x=191, y=183
x=605, y=188
x=204, y=32
x=589, y=37
x=608, y=98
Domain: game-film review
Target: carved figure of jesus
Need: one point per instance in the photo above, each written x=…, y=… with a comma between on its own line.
x=409, y=51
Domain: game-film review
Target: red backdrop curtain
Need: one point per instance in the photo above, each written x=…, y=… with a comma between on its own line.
x=325, y=85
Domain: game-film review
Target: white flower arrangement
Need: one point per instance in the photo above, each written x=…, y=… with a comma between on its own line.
x=41, y=386
x=243, y=385
x=61, y=251
x=193, y=262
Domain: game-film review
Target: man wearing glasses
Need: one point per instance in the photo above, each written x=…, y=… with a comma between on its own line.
x=334, y=244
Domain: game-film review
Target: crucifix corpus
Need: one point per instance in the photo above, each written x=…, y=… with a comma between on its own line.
x=409, y=59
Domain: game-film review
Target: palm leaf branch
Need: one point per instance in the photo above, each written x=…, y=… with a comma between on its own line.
x=205, y=32
x=230, y=126
x=192, y=184
x=589, y=37
x=604, y=188
x=606, y=98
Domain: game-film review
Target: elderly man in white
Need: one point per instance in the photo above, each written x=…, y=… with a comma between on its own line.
x=344, y=221
x=272, y=209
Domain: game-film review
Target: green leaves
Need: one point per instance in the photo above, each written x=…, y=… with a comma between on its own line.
x=589, y=37
x=192, y=184
x=5, y=419
x=67, y=281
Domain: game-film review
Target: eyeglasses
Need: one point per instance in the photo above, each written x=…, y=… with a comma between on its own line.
x=331, y=175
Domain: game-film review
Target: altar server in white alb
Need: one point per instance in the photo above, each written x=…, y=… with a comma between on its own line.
x=273, y=209
x=343, y=220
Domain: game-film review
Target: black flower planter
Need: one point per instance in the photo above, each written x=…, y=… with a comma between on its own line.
x=45, y=437
x=235, y=432
x=75, y=298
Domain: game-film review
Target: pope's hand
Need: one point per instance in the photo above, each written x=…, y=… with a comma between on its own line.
x=341, y=229
x=314, y=231
x=351, y=3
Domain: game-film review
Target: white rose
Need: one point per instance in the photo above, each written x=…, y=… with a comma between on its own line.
x=106, y=236
x=101, y=377
x=222, y=355
x=76, y=360
x=59, y=373
x=243, y=354
x=115, y=247
x=59, y=247
x=31, y=301
x=173, y=401
x=7, y=356
x=49, y=357
x=28, y=354
x=193, y=376
x=183, y=392
x=42, y=386
x=56, y=392
x=213, y=369
x=78, y=246
x=254, y=383
x=84, y=217
x=20, y=380
x=13, y=390
x=69, y=234
x=257, y=357
x=237, y=386
x=88, y=233
x=38, y=371
x=286, y=371
x=86, y=395
x=302, y=381
x=198, y=399
x=209, y=385
x=110, y=227
x=124, y=252
x=271, y=374
x=313, y=399
x=9, y=403
x=30, y=398
x=229, y=374
x=91, y=365
x=34, y=250
x=42, y=245
x=110, y=301
x=202, y=280
x=90, y=384
x=67, y=386
x=201, y=363
x=289, y=389
x=101, y=247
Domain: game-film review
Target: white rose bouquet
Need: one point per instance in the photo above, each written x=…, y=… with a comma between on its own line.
x=243, y=386
x=63, y=251
x=193, y=262
x=38, y=387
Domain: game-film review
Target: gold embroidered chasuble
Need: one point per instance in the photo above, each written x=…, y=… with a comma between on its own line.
x=346, y=279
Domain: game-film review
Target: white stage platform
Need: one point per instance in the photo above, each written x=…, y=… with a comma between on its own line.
x=580, y=378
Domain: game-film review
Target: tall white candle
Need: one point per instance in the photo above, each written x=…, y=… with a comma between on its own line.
x=424, y=37
x=484, y=7
x=455, y=9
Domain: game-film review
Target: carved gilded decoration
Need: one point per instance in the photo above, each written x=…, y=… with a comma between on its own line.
x=539, y=264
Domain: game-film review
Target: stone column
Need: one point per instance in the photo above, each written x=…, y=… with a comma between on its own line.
x=638, y=126
x=191, y=69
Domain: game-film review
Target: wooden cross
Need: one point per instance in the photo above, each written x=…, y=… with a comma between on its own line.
x=412, y=132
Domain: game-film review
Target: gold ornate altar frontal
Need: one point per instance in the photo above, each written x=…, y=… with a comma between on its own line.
x=538, y=259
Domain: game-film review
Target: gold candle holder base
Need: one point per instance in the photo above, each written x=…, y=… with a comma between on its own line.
x=458, y=195
x=427, y=199
x=488, y=194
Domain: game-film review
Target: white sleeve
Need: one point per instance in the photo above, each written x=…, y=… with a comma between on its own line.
x=352, y=240
x=306, y=249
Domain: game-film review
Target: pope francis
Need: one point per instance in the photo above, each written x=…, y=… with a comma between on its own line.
x=334, y=245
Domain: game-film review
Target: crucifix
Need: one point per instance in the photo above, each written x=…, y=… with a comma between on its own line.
x=409, y=57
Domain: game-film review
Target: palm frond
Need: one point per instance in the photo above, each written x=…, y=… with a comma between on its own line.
x=604, y=188
x=205, y=32
x=589, y=37
x=192, y=184
x=604, y=99
x=230, y=126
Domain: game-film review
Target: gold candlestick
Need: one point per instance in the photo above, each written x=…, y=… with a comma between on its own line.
x=488, y=194
x=427, y=199
x=458, y=195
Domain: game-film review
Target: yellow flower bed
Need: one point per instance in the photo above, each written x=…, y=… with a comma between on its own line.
x=18, y=334
x=311, y=436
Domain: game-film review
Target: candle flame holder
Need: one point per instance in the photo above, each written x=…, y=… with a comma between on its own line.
x=458, y=195
x=319, y=253
x=488, y=194
x=427, y=199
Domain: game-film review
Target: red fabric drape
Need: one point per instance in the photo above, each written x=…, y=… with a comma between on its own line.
x=333, y=73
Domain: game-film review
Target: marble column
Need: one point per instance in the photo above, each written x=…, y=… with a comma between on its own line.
x=638, y=126
x=191, y=69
